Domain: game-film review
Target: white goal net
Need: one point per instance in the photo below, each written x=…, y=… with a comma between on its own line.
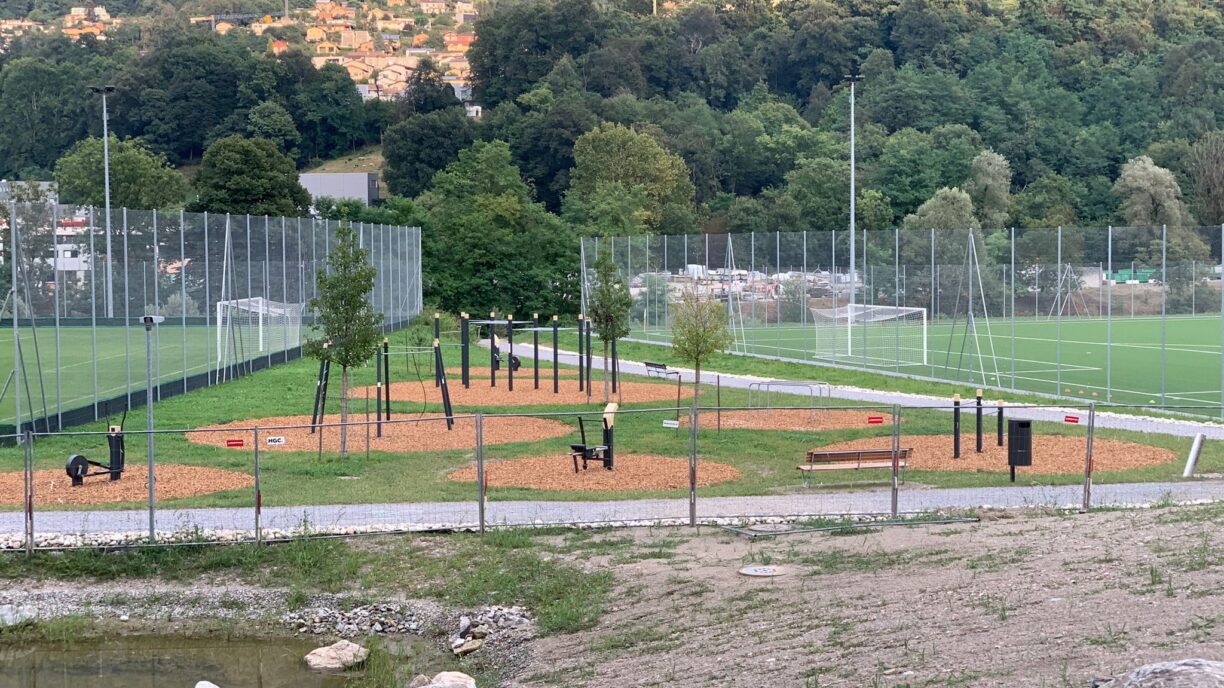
x=874, y=335
x=247, y=328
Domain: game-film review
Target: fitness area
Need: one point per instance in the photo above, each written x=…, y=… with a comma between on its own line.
x=510, y=423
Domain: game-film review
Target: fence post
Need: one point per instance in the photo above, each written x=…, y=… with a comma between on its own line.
x=480, y=475
x=28, y=455
x=896, y=456
x=693, y=466
x=258, y=494
x=1088, y=459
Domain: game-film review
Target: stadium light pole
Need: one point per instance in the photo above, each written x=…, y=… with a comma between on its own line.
x=853, y=79
x=110, y=298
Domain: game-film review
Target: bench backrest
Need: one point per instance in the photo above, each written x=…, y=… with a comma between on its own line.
x=654, y=366
x=816, y=455
x=609, y=416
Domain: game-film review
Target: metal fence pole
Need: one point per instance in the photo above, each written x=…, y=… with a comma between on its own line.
x=18, y=363
x=258, y=493
x=149, y=424
x=896, y=456
x=1012, y=292
x=93, y=308
x=693, y=415
x=28, y=455
x=1088, y=459
x=1058, y=314
x=127, y=316
x=480, y=472
x=1108, y=315
x=55, y=303
x=1164, y=321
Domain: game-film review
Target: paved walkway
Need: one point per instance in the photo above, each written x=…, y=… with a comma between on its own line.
x=1052, y=412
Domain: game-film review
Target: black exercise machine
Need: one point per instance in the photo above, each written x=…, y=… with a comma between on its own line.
x=78, y=466
x=602, y=453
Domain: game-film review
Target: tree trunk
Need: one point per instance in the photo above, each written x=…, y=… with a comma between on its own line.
x=697, y=385
x=344, y=412
x=605, y=373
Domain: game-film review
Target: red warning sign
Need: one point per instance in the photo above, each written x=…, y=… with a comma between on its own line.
x=1070, y=419
x=233, y=443
x=875, y=420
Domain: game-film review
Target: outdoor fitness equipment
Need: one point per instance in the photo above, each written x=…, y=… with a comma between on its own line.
x=511, y=325
x=78, y=466
x=320, y=400
x=600, y=452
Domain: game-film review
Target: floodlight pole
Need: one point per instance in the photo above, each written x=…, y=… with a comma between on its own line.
x=149, y=321
x=853, y=79
x=110, y=279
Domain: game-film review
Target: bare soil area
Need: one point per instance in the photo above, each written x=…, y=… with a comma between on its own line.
x=174, y=481
x=630, y=472
x=481, y=393
x=1051, y=453
x=405, y=433
x=803, y=420
x=1020, y=599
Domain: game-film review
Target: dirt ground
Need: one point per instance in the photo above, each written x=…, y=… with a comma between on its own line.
x=482, y=394
x=1020, y=599
x=173, y=482
x=1051, y=454
x=403, y=434
x=807, y=420
x=630, y=472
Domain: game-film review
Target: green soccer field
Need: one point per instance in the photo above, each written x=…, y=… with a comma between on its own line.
x=1133, y=361
x=119, y=352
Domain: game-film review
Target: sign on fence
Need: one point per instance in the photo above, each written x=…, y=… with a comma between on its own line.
x=671, y=424
x=875, y=420
x=1071, y=419
x=233, y=443
x=276, y=441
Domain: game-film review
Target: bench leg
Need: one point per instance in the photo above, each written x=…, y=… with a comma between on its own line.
x=575, y=458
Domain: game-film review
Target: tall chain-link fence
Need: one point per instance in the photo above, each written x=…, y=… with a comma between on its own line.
x=229, y=294
x=1127, y=315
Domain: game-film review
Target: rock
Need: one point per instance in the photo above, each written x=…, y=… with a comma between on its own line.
x=452, y=679
x=1186, y=673
x=465, y=625
x=123, y=617
x=480, y=632
x=420, y=681
x=206, y=684
x=338, y=657
x=469, y=647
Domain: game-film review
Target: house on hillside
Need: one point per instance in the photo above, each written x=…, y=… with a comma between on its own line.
x=327, y=48
x=433, y=7
x=316, y=34
x=278, y=47
x=359, y=71
x=351, y=39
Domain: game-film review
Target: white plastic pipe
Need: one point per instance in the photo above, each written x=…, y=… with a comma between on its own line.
x=1194, y=454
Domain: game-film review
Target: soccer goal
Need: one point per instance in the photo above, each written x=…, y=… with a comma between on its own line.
x=876, y=335
x=249, y=327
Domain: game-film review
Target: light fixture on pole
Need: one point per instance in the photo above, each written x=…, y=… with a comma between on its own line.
x=149, y=321
x=110, y=299
x=853, y=79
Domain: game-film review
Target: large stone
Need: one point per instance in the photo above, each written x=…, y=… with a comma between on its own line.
x=206, y=684
x=420, y=681
x=1186, y=673
x=469, y=647
x=452, y=679
x=338, y=657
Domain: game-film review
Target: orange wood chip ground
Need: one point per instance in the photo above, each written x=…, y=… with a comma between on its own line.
x=1051, y=453
x=481, y=394
x=401, y=435
x=790, y=419
x=630, y=472
x=174, y=481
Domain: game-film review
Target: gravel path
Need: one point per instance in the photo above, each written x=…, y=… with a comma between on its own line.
x=1052, y=412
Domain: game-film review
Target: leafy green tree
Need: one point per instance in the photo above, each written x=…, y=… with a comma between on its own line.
x=426, y=91
x=346, y=322
x=1150, y=196
x=415, y=149
x=947, y=209
x=1048, y=202
x=608, y=306
x=989, y=185
x=140, y=178
x=699, y=330
x=248, y=176
x=913, y=165
x=1207, y=172
x=614, y=155
x=44, y=115
x=270, y=120
x=487, y=245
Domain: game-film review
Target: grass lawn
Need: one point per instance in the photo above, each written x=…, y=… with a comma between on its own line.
x=766, y=459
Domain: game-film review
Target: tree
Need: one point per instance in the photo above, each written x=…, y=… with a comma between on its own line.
x=613, y=155
x=426, y=92
x=346, y=322
x=989, y=185
x=608, y=305
x=1207, y=171
x=947, y=209
x=140, y=178
x=248, y=176
x=270, y=120
x=415, y=149
x=1150, y=195
x=699, y=330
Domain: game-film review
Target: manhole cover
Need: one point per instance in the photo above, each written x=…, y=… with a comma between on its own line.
x=761, y=571
x=769, y=527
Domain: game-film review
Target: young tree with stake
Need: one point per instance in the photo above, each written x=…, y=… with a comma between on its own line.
x=344, y=317
x=699, y=330
x=609, y=306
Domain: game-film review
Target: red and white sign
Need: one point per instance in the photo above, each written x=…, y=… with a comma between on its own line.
x=875, y=420
x=1070, y=419
x=233, y=443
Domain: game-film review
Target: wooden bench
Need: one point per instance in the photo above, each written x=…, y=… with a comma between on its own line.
x=853, y=459
x=658, y=370
x=589, y=453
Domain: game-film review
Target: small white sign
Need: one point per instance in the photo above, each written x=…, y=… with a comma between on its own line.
x=671, y=423
x=276, y=440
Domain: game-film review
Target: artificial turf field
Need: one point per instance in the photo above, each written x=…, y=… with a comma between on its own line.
x=1120, y=360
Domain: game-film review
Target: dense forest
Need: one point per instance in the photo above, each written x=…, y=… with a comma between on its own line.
x=50, y=10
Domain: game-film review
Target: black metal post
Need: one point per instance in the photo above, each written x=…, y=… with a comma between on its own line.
x=492, y=351
x=979, y=421
x=956, y=410
x=386, y=352
x=556, y=344
x=510, y=351
x=589, y=358
x=1000, y=431
x=535, y=348
x=615, y=366
x=581, y=355
x=378, y=395
x=464, y=333
x=438, y=336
